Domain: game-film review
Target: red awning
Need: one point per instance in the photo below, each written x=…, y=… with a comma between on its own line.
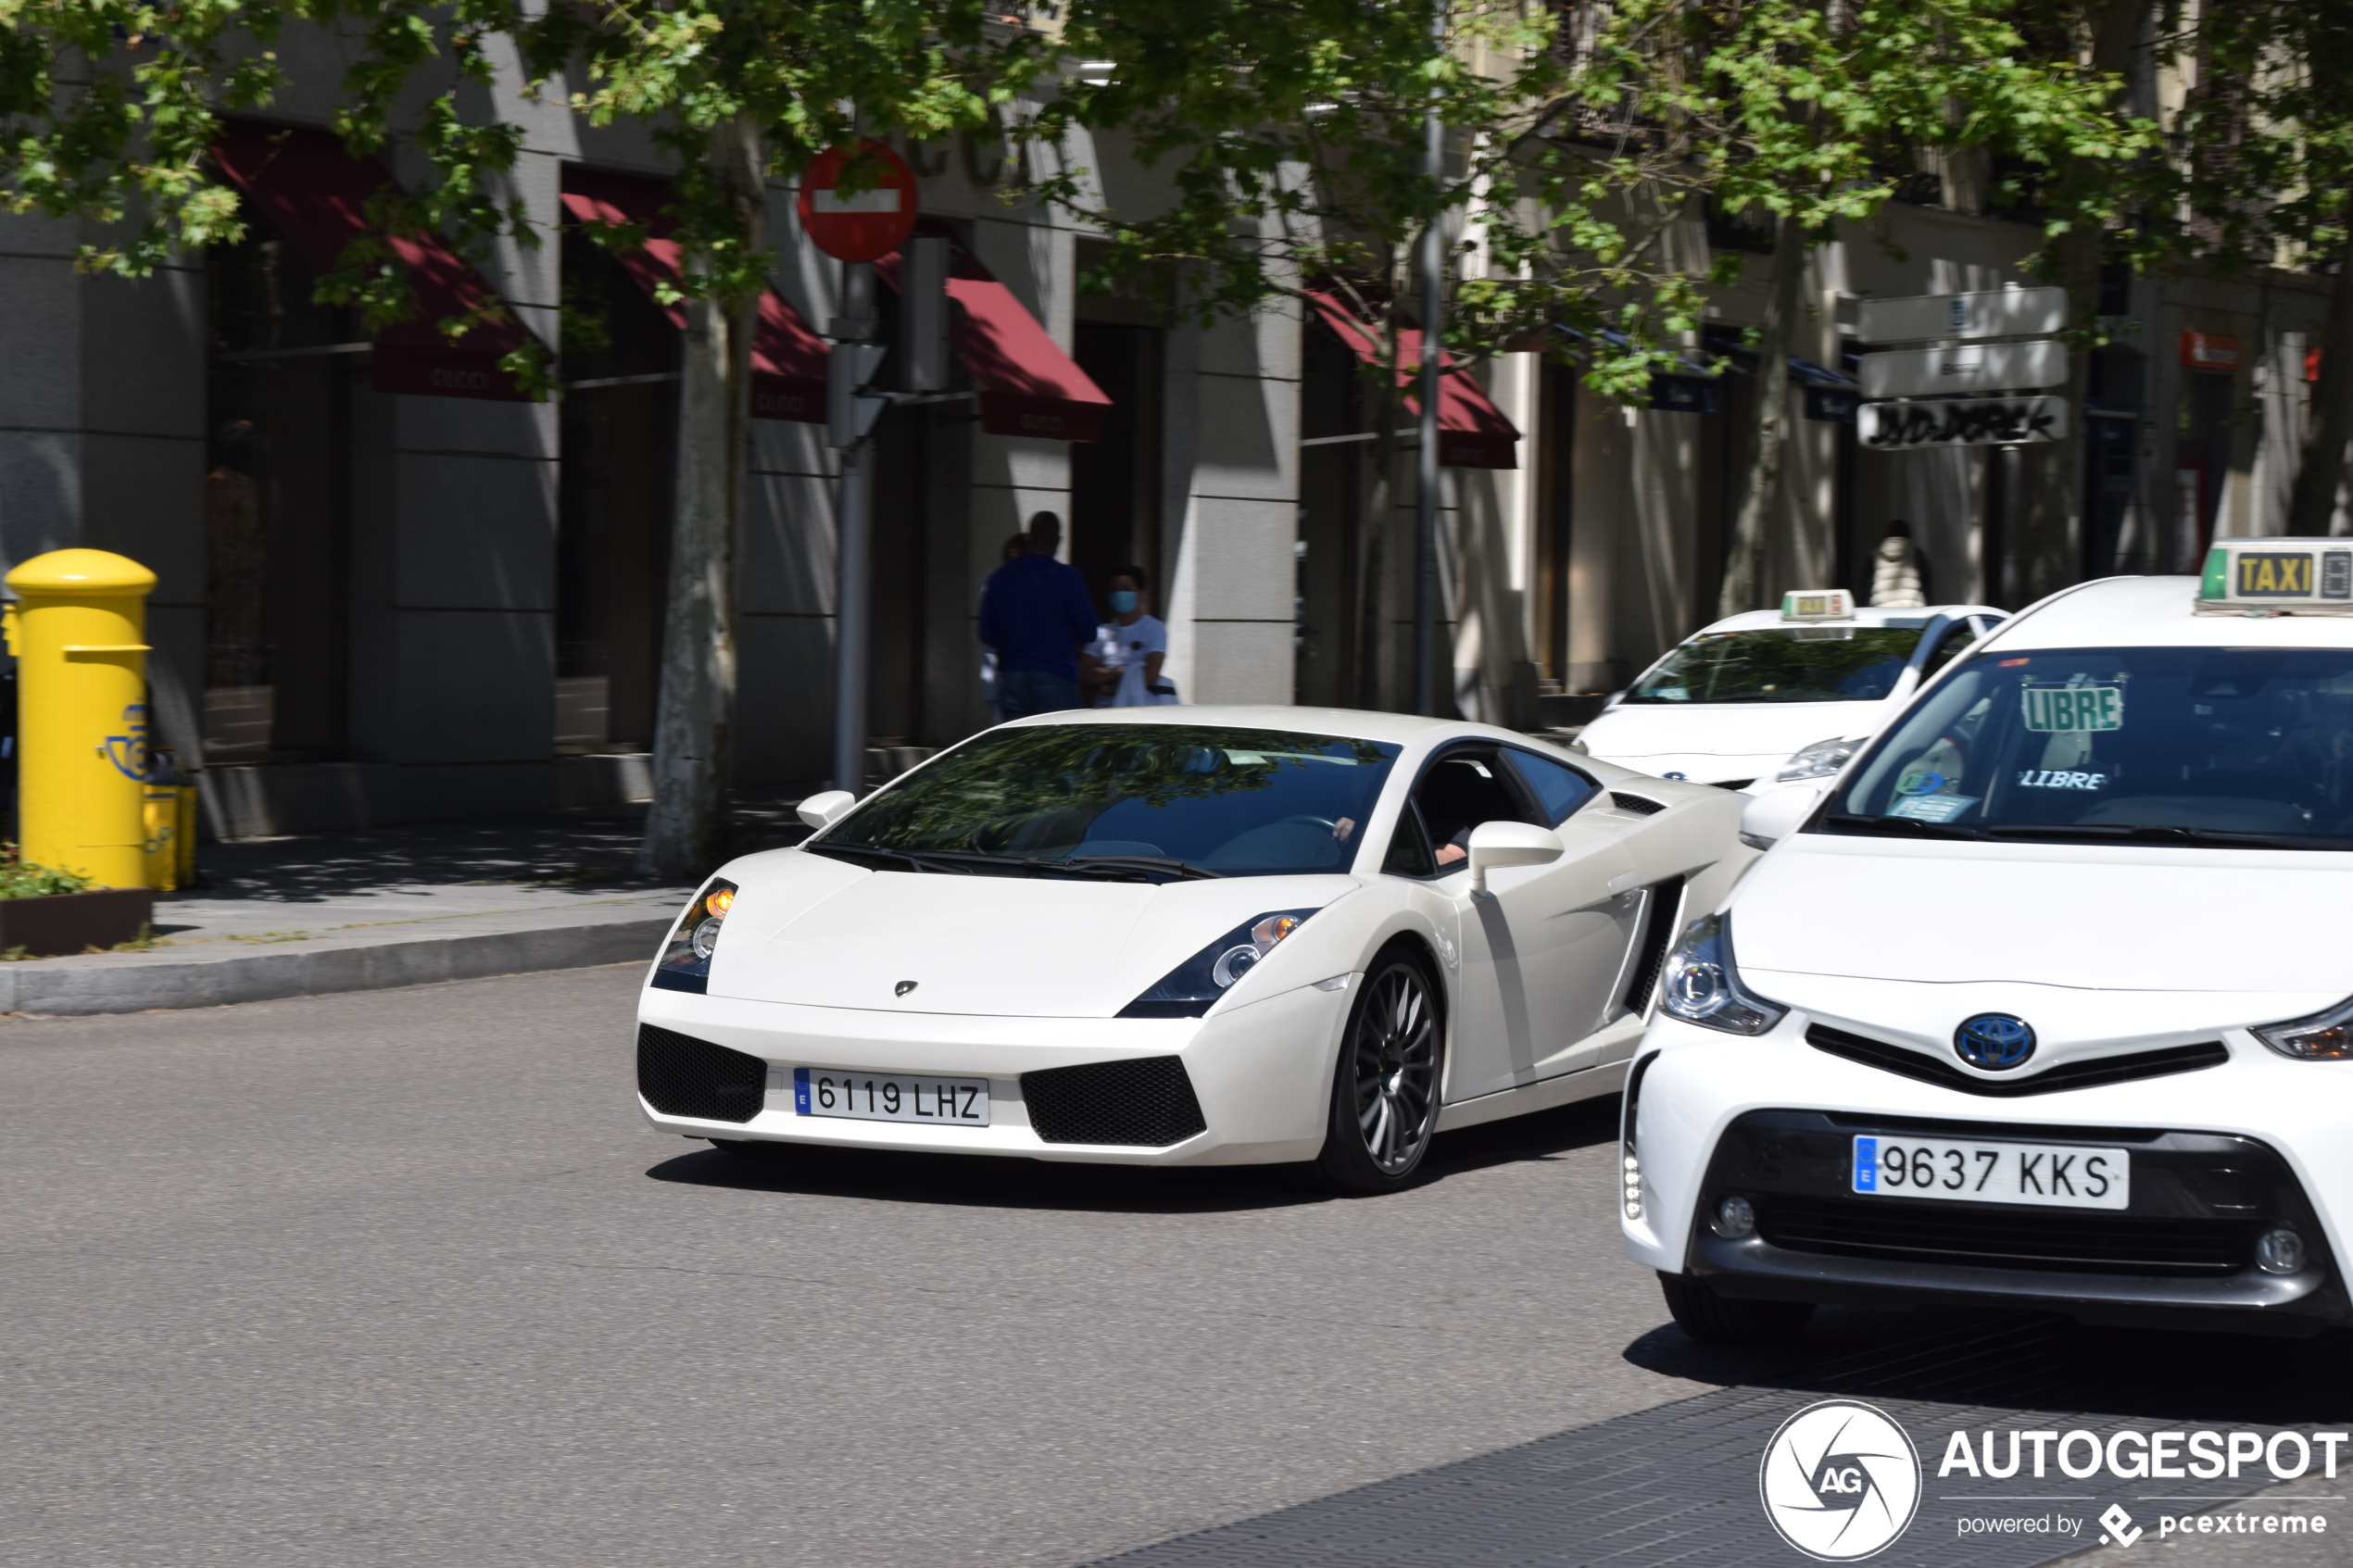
x=317, y=196
x=1028, y=385
x=787, y=359
x=1472, y=431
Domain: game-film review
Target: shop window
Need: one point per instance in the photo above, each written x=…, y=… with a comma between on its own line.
x=619, y=425
x=278, y=398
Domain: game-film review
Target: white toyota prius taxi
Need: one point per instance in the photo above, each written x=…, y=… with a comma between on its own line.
x=1769, y=696
x=1170, y=935
x=2046, y=1002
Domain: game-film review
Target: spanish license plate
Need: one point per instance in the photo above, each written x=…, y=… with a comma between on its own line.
x=884, y=1097
x=2065, y=1178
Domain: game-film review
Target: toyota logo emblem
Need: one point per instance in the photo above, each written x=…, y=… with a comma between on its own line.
x=1994, y=1041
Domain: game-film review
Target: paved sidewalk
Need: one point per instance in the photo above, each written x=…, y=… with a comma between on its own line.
x=406, y=905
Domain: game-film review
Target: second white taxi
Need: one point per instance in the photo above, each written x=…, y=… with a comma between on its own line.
x=1775, y=695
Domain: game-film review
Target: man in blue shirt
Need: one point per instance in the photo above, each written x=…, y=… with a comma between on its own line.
x=1036, y=614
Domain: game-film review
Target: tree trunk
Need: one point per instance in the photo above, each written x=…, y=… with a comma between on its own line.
x=2328, y=426
x=1745, y=572
x=2047, y=548
x=687, y=824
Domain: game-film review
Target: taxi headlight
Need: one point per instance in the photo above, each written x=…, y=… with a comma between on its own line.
x=1193, y=986
x=1701, y=986
x=2324, y=1036
x=685, y=964
x=1821, y=759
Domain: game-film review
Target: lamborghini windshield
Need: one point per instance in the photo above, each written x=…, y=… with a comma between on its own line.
x=2247, y=747
x=1124, y=801
x=1783, y=664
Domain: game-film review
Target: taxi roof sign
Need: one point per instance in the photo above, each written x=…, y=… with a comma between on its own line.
x=1817, y=604
x=2277, y=576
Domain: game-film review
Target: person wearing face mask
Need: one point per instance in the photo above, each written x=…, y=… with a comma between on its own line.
x=1131, y=647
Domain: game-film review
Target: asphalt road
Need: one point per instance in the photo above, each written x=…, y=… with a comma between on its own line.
x=400, y=1278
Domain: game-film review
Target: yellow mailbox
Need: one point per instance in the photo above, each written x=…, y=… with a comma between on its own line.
x=79, y=630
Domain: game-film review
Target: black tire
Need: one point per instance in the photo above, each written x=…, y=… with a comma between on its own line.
x=1724, y=1320
x=1385, y=1086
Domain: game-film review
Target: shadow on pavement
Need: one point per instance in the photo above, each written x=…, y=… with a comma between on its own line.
x=2031, y=1362
x=995, y=1181
x=588, y=849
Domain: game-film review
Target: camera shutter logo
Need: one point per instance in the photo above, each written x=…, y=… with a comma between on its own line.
x=1841, y=1481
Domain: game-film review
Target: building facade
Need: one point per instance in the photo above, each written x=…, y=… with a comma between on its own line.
x=393, y=589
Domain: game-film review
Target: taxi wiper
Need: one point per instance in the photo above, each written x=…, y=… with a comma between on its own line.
x=1857, y=822
x=2149, y=833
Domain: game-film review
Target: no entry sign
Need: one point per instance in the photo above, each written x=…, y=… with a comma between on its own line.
x=868, y=223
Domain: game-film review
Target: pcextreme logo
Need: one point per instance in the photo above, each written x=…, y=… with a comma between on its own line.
x=1841, y=1481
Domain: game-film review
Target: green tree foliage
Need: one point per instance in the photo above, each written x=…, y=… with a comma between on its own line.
x=1291, y=134
x=1578, y=137
x=109, y=108
x=1814, y=111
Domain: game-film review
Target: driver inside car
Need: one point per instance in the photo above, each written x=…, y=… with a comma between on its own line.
x=1454, y=796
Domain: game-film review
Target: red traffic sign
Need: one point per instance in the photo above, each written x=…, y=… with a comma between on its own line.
x=868, y=224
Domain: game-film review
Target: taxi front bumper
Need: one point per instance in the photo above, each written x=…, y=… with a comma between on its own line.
x=2221, y=1156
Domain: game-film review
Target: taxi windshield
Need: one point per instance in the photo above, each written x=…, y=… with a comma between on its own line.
x=1783, y=664
x=1124, y=801
x=2245, y=747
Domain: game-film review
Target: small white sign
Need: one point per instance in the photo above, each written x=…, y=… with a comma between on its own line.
x=831, y=202
x=1991, y=366
x=1989, y=313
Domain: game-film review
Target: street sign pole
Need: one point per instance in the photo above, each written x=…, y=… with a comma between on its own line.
x=855, y=229
x=853, y=562
x=1431, y=263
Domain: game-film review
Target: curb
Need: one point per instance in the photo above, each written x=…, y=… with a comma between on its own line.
x=96, y=986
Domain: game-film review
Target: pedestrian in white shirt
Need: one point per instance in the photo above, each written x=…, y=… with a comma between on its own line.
x=1131, y=648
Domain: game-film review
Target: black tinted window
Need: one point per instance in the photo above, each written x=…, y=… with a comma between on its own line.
x=1558, y=787
x=1783, y=664
x=1463, y=790
x=1239, y=802
x=2167, y=744
x=1409, y=848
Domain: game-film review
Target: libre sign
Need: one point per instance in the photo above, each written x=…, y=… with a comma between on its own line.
x=868, y=224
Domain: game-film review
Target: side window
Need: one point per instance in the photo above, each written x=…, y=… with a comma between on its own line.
x=1461, y=790
x=1957, y=639
x=1409, y=848
x=1559, y=788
